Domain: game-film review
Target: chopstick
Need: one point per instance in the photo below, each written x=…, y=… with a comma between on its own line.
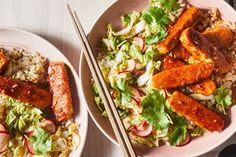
x=114, y=117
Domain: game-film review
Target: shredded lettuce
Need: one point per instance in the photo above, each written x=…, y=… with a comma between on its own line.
x=20, y=116
x=41, y=142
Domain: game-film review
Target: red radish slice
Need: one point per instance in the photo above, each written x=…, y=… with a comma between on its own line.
x=143, y=79
x=143, y=129
x=130, y=65
x=138, y=72
x=113, y=94
x=29, y=146
x=185, y=141
x=4, y=140
x=139, y=42
x=136, y=95
x=2, y=128
x=48, y=125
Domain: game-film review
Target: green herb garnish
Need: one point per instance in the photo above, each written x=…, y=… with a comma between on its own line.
x=223, y=99
x=154, y=110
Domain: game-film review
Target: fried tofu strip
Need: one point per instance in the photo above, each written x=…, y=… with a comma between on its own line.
x=4, y=61
x=221, y=37
x=181, y=53
x=25, y=92
x=196, y=112
x=59, y=85
x=188, y=19
x=181, y=76
x=206, y=87
x=170, y=62
x=204, y=51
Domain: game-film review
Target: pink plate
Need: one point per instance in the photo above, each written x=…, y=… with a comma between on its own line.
x=112, y=15
x=19, y=39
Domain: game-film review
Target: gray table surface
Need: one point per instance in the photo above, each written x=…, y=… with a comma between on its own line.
x=49, y=19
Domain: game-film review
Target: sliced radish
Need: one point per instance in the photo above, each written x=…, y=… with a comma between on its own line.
x=139, y=42
x=130, y=65
x=132, y=112
x=2, y=128
x=139, y=27
x=143, y=129
x=185, y=141
x=29, y=146
x=4, y=140
x=138, y=72
x=48, y=125
x=113, y=94
x=143, y=79
x=125, y=30
x=136, y=94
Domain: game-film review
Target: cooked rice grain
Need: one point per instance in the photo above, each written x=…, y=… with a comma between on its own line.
x=25, y=66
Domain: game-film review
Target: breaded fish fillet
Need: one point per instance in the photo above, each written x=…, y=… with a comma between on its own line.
x=188, y=19
x=59, y=85
x=181, y=76
x=204, y=51
x=195, y=112
x=221, y=37
x=25, y=92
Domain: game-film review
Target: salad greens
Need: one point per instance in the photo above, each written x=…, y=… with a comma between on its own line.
x=222, y=98
x=179, y=132
x=23, y=121
x=41, y=141
x=154, y=110
x=19, y=116
x=128, y=60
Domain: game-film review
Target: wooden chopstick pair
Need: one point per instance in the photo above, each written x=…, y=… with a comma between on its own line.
x=114, y=117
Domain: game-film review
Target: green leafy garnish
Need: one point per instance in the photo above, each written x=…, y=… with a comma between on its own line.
x=20, y=116
x=157, y=20
x=154, y=110
x=156, y=38
x=179, y=132
x=223, y=99
x=123, y=87
x=41, y=142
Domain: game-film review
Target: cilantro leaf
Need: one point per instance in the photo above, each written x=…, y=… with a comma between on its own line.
x=41, y=141
x=179, y=132
x=156, y=20
x=154, y=110
x=156, y=38
x=222, y=98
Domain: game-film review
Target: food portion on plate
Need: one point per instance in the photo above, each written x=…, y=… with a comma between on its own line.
x=170, y=71
x=36, y=109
